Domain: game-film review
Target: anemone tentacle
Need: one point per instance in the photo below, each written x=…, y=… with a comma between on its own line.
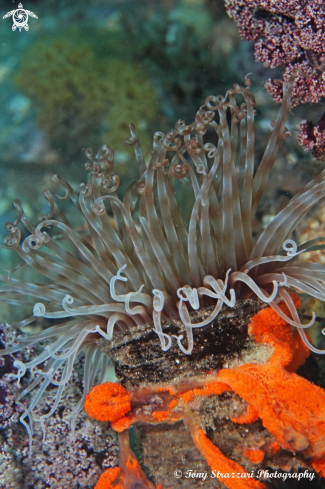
x=144, y=261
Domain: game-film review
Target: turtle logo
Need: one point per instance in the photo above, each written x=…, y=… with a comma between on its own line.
x=20, y=18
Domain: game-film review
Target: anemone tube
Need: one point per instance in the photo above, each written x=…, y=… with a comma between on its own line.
x=142, y=263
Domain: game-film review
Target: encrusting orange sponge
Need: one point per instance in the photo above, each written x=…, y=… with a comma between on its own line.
x=129, y=474
x=319, y=466
x=222, y=466
x=290, y=407
x=255, y=456
x=107, y=402
x=107, y=478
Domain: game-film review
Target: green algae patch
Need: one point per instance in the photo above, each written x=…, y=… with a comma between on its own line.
x=83, y=93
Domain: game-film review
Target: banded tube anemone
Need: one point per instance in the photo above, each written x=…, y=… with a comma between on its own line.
x=143, y=261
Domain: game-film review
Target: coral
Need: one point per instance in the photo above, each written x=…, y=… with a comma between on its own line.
x=83, y=95
x=61, y=458
x=9, y=410
x=297, y=422
x=289, y=34
x=312, y=137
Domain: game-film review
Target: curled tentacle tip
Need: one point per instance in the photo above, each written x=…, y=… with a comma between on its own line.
x=99, y=208
x=39, y=309
x=68, y=299
x=130, y=141
x=291, y=250
x=158, y=300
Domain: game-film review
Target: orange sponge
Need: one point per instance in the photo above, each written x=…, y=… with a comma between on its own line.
x=107, y=402
x=255, y=456
x=232, y=475
x=319, y=466
x=106, y=479
x=290, y=407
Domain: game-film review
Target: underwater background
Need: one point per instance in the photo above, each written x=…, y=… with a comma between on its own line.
x=76, y=79
x=84, y=72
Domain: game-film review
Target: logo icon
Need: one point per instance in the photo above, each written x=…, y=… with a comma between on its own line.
x=20, y=18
